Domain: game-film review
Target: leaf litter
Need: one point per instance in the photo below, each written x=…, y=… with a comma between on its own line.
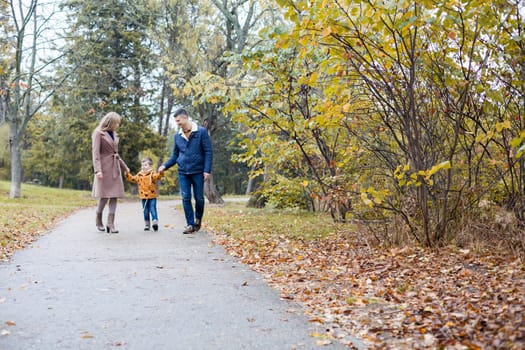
x=397, y=298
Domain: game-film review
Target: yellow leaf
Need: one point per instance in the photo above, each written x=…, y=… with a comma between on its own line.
x=516, y=142
x=313, y=78
x=364, y=198
x=480, y=137
x=436, y=168
x=304, y=41
x=326, y=31
x=504, y=125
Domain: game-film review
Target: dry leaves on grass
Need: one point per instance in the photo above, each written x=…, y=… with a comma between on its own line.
x=408, y=298
x=22, y=227
x=24, y=219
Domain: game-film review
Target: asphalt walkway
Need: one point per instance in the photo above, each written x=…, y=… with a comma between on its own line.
x=77, y=288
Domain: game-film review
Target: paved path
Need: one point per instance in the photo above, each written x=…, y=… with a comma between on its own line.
x=77, y=288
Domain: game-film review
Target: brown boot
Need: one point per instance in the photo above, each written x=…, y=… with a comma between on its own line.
x=100, y=225
x=110, y=228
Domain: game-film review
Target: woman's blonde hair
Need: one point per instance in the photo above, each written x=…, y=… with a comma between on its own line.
x=109, y=121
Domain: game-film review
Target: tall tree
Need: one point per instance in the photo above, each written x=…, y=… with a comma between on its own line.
x=228, y=29
x=294, y=112
x=110, y=49
x=27, y=88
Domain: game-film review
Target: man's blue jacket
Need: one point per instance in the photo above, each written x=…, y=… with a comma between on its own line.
x=194, y=155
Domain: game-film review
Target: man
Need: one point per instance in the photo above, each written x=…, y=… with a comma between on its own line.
x=192, y=152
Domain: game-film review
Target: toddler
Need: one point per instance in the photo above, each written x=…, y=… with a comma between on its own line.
x=147, y=183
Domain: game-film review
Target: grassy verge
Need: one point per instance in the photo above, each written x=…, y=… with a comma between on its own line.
x=237, y=220
x=24, y=219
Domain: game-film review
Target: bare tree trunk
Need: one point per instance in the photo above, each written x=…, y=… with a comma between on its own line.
x=210, y=191
x=251, y=181
x=16, y=164
x=161, y=111
x=3, y=101
x=249, y=188
x=169, y=108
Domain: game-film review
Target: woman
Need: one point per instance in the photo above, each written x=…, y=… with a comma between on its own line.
x=108, y=184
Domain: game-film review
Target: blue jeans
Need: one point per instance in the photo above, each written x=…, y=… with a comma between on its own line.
x=149, y=206
x=189, y=182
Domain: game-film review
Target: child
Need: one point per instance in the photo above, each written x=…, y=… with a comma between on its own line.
x=146, y=180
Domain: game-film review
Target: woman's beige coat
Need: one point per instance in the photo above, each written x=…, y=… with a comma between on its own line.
x=107, y=160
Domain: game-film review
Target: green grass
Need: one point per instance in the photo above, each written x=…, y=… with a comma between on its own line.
x=24, y=219
x=42, y=196
x=237, y=220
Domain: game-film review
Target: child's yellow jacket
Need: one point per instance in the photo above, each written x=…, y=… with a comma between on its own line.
x=147, y=183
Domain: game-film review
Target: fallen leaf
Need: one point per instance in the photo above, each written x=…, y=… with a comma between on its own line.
x=4, y=332
x=118, y=343
x=317, y=335
x=10, y=323
x=316, y=320
x=86, y=335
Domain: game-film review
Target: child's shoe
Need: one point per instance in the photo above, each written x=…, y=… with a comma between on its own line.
x=155, y=225
x=146, y=225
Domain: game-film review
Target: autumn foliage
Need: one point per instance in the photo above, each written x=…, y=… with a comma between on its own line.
x=405, y=112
